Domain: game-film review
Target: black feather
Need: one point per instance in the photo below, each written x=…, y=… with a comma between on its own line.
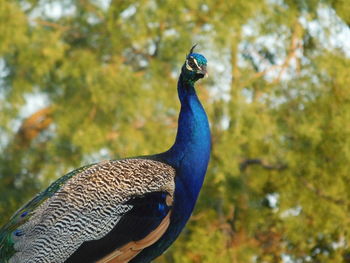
x=147, y=213
x=191, y=51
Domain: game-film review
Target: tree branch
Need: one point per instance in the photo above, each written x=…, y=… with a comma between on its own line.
x=51, y=24
x=33, y=125
x=319, y=193
x=245, y=163
x=294, y=46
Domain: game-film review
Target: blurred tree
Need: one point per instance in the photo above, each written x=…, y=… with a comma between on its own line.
x=86, y=80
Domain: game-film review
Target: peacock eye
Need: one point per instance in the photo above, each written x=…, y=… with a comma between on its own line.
x=192, y=63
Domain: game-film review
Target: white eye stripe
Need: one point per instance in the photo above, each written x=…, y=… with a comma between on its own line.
x=195, y=61
x=188, y=66
x=192, y=64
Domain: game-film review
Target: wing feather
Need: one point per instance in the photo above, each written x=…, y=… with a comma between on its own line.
x=86, y=207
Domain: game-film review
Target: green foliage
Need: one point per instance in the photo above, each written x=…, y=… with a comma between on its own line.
x=278, y=101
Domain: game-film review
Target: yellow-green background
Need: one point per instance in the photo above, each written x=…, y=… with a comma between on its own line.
x=87, y=80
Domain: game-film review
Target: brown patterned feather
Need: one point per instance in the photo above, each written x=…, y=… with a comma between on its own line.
x=87, y=207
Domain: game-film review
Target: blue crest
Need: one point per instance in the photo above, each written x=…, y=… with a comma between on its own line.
x=200, y=58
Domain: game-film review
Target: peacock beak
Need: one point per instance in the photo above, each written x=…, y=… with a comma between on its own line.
x=203, y=71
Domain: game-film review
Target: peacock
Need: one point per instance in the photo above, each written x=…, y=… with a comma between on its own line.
x=117, y=211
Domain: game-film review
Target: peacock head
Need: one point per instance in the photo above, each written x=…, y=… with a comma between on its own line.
x=195, y=67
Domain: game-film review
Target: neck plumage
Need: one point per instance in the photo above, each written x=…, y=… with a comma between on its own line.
x=193, y=128
x=191, y=150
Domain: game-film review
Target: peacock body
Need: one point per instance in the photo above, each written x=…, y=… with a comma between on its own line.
x=128, y=210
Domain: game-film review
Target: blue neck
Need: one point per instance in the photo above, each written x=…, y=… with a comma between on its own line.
x=189, y=156
x=191, y=150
